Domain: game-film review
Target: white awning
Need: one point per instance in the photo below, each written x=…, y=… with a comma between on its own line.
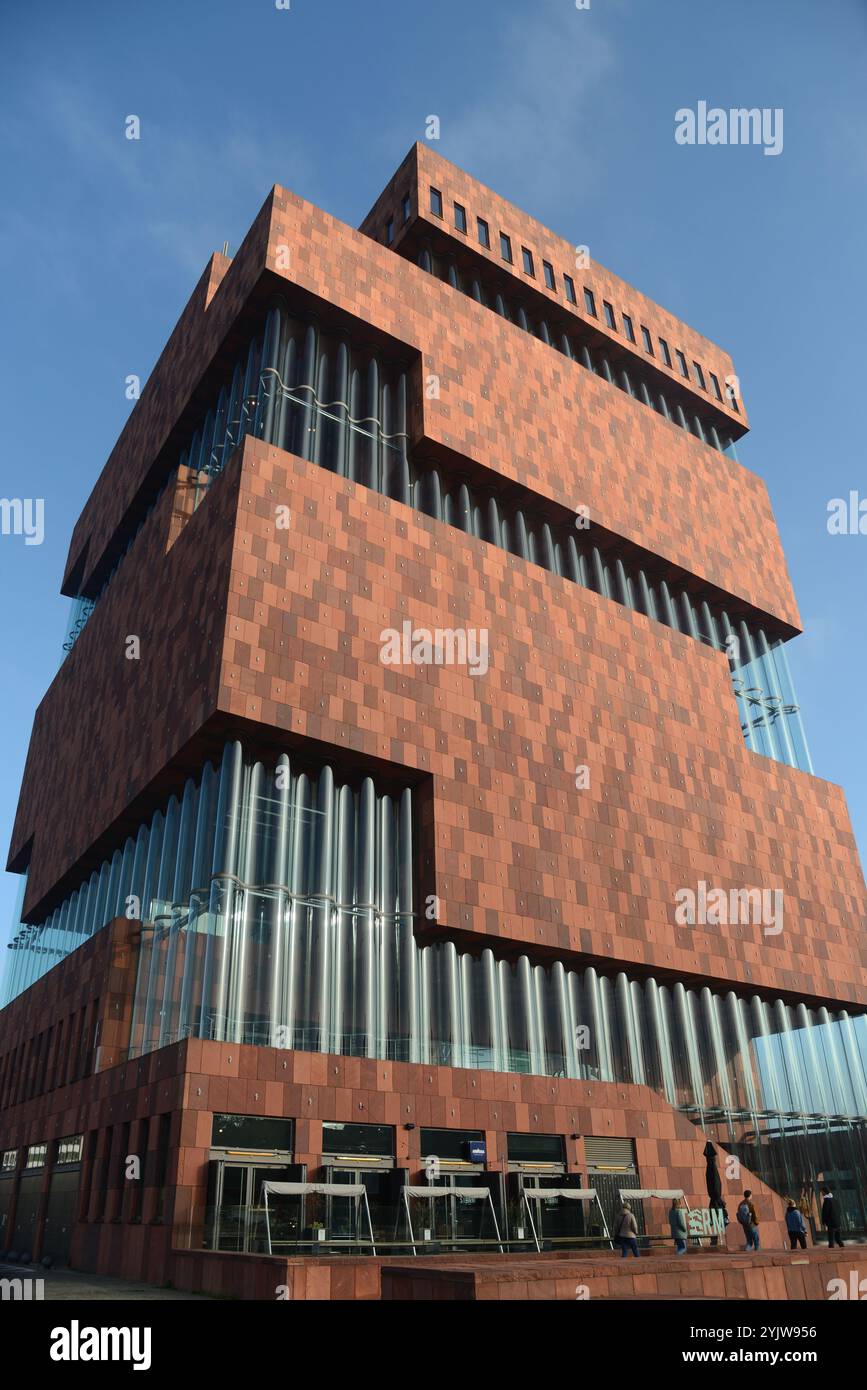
x=665, y=1192
x=303, y=1189
x=574, y=1194
x=478, y=1192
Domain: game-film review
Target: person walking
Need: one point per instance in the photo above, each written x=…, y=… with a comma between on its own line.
x=677, y=1226
x=796, y=1226
x=626, y=1232
x=831, y=1218
x=749, y=1219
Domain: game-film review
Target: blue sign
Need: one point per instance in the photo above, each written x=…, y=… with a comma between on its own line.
x=478, y=1151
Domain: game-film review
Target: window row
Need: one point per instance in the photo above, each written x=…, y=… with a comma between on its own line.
x=769, y=711
x=694, y=372
x=595, y=355
x=58, y=1055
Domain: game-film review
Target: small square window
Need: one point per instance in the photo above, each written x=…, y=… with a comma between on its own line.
x=460, y=218
x=610, y=317
x=630, y=331
x=436, y=202
x=527, y=258
x=570, y=289
x=589, y=302
x=484, y=232
x=699, y=375
x=407, y=208
x=550, y=280
x=648, y=341
x=666, y=355
x=389, y=231
x=505, y=248
x=681, y=362
x=715, y=383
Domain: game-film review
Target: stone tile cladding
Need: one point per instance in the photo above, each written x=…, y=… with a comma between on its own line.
x=776, y=1276
x=520, y=854
x=424, y=169
x=507, y=402
x=515, y=406
x=108, y=726
x=193, y=1080
x=675, y=796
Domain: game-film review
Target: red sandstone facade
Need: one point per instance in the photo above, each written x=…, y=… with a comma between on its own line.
x=278, y=635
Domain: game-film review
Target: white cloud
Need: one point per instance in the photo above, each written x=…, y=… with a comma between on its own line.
x=187, y=188
x=535, y=120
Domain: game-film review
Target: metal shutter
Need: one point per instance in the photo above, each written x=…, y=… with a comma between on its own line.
x=610, y=1155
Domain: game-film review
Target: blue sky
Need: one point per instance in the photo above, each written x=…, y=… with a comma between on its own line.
x=570, y=114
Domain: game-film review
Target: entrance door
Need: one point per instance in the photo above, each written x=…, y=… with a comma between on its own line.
x=457, y=1220
x=555, y=1218
x=236, y=1215
x=383, y=1196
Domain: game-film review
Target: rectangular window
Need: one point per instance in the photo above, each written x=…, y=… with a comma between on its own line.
x=436, y=202
x=648, y=341
x=630, y=331
x=451, y=1145
x=36, y=1156
x=527, y=258
x=550, y=280
x=666, y=355
x=715, y=383
x=699, y=375
x=570, y=289
x=505, y=248
x=406, y=205
x=484, y=232
x=161, y=1167
x=535, y=1148
x=681, y=362
x=104, y=1186
x=10, y=1159
x=69, y=1150
x=610, y=317
x=389, y=231
x=90, y=1169
x=460, y=218
x=259, y=1134
x=589, y=302
x=368, y=1141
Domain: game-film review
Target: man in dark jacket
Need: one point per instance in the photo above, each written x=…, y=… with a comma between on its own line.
x=796, y=1226
x=677, y=1226
x=831, y=1218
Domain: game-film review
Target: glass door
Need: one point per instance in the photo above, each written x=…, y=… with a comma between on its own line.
x=556, y=1218
x=456, y=1220
x=384, y=1200
x=236, y=1212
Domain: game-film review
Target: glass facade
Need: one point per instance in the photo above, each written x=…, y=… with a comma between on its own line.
x=769, y=712
x=326, y=400
x=502, y=297
x=279, y=908
x=318, y=396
